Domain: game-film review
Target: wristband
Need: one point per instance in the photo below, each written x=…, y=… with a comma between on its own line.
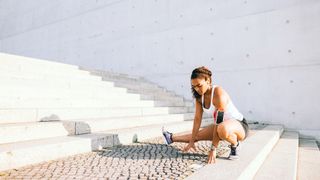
x=212, y=148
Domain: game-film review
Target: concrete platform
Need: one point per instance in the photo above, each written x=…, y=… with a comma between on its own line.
x=14, y=155
x=16, y=62
x=10, y=133
x=253, y=153
x=72, y=113
x=309, y=160
x=97, y=125
x=161, y=97
x=63, y=83
x=47, y=76
x=72, y=101
x=135, y=134
x=282, y=160
x=15, y=132
x=144, y=92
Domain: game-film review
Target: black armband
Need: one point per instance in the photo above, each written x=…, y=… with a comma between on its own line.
x=220, y=117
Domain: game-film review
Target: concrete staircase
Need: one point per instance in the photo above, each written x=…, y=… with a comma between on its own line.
x=270, y=153
x=50, y=110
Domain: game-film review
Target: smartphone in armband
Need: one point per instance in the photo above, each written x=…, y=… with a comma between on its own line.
x=220, y=117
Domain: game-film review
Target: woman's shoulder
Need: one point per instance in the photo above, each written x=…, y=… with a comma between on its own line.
x=220, y=95
x=218, y=90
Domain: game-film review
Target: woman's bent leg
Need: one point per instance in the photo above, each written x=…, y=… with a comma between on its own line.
x=231, y=131
x=205, y=133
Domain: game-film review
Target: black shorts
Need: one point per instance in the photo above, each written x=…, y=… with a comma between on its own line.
x=245, y=127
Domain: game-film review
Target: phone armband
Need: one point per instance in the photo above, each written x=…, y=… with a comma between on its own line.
x=220, y=115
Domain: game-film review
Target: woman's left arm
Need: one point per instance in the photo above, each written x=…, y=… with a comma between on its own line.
x=220, y=101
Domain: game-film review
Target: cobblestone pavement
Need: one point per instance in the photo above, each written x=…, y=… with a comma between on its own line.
x=150, y=159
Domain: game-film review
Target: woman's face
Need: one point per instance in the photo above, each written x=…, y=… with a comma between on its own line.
x=200, y=85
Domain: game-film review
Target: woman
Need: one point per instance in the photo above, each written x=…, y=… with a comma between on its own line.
x=228, y=122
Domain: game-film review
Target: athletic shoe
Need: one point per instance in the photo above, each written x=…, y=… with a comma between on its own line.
x=234, y=152
x=167, y=137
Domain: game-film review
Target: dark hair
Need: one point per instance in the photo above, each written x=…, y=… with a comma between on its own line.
x=200, y=72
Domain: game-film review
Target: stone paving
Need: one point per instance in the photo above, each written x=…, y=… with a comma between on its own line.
x=150, y=159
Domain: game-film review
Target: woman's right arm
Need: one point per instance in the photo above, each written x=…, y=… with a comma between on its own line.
x=197, y=120
x=196, y=126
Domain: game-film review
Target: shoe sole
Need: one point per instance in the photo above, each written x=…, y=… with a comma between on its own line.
x=233, y=157
x=164, y=140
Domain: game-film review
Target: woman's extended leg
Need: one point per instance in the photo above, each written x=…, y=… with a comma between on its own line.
x=204, y=134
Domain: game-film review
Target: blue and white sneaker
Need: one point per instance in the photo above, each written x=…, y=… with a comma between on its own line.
x=234, y=152
x=167, y=137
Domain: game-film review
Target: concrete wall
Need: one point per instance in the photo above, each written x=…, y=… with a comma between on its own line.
x=265, y=53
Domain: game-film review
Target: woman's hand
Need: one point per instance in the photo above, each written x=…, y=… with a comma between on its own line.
x=190, y=146
x=212, y=156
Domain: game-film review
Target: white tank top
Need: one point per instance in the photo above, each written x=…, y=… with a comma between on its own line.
x=231, y=112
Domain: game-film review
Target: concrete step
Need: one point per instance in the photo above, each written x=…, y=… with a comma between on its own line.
x=152, y=92
x=115, y=76
x=254, y=151
x=17, y=132
x=16, y=115
x=169, y=103
x=104, y=124
x=14, y=155
x=130, y=82
x=14, y=132
x=94, y=102
x=309, y=160
x=21, y=63
x=47, y=76
x=103, y=85
x=9, y=81
x=73, y=79
x=48, y=72
x=59, y=92
x=282, y=160
x=139, y=88
x=133, y=83
x=69, y=102
x=161, y=97
x=130, y=135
